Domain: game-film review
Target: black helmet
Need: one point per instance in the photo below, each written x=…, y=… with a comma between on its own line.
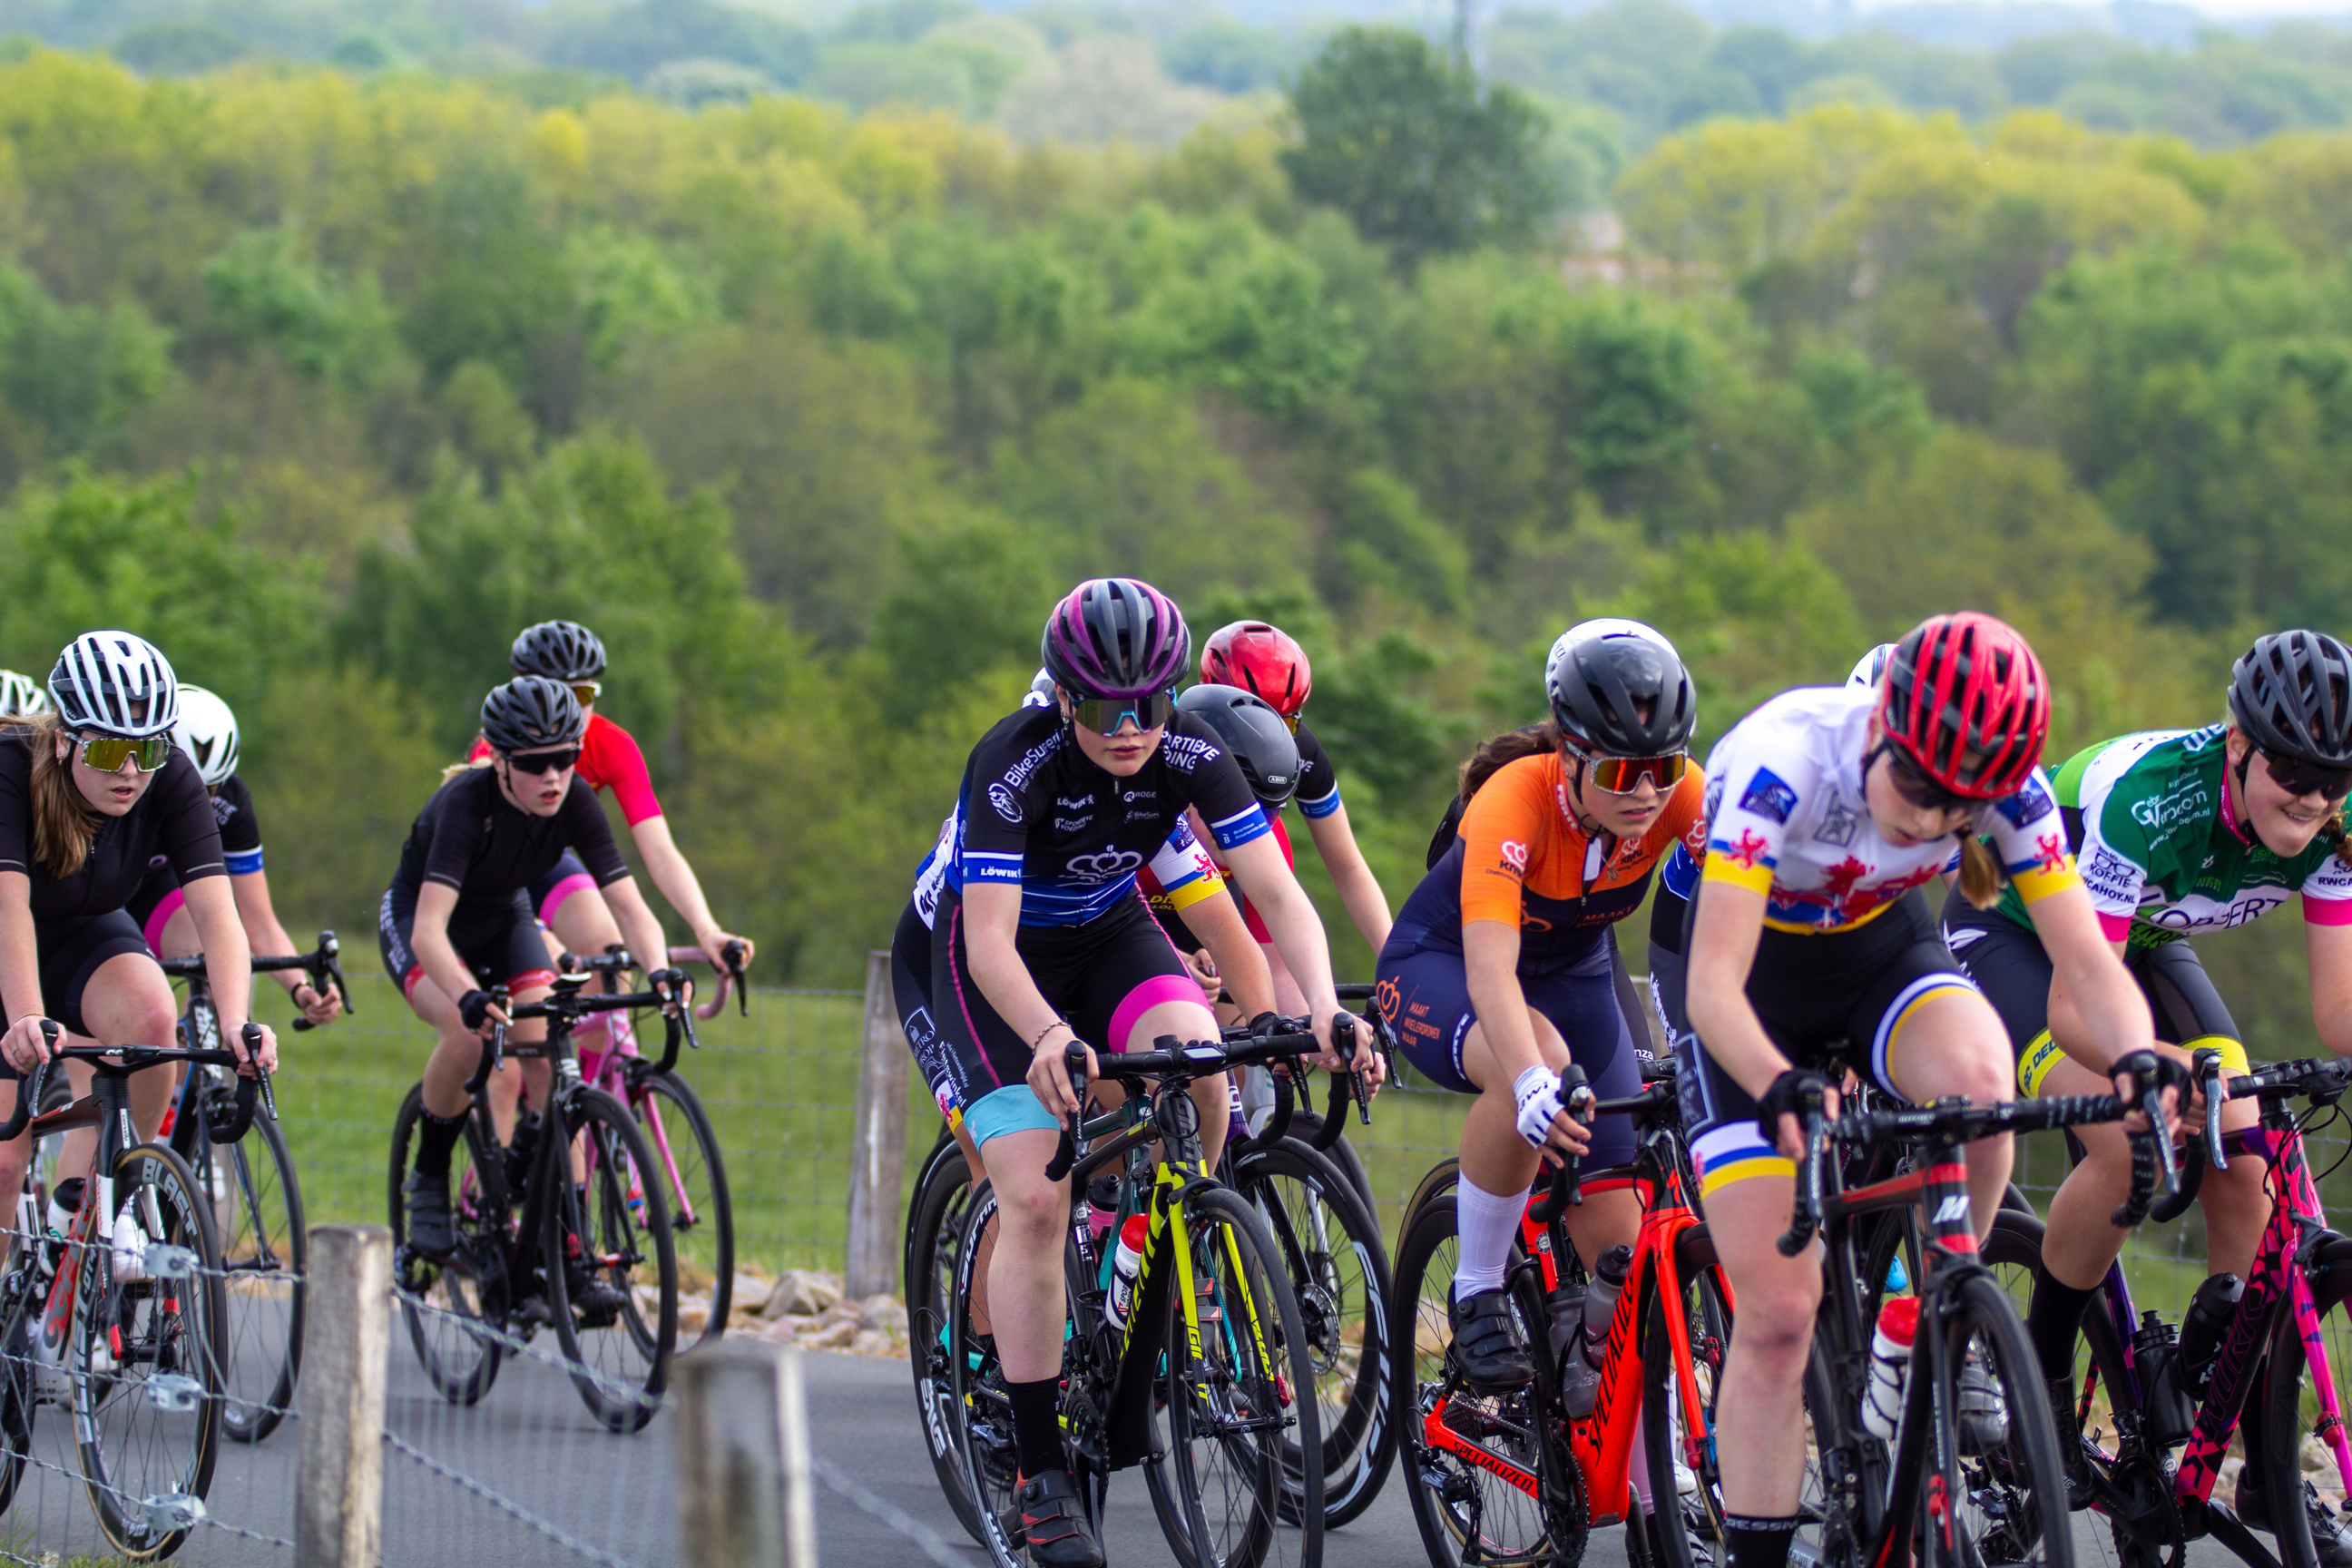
x=560, y=650
x=1254, y=734
x=1599, y=675
x=532, y=713
x=2292, y=694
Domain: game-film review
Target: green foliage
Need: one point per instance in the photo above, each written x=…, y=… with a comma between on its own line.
x=1409, y=145
x=72, y=372
x=258, y=290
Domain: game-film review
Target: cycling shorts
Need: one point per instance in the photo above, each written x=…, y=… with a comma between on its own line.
x=69, y=949
x=1425, y=999
x=552, y=892
x=501, y=943
x=1829, y=1000
x=2013, y=969
x=1101, y=976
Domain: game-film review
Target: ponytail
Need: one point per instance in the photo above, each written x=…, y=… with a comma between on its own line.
x=2332, y=831
x=1494, y=755
x=1980, y=877
x=64, y=823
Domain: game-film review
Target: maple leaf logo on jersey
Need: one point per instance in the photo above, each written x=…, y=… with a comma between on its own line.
x=1748, y=851
x=1839, y=880
x=2052, y=853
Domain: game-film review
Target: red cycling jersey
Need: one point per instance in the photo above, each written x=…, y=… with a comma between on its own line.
x=610, y=760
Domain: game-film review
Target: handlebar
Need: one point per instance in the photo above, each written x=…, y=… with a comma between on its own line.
x=1576, y=1095
x=2205, y=1074
x=139, y=1058
x=730, y=975
x=1172, y=1060
x=322, y=964
x=569, y=1002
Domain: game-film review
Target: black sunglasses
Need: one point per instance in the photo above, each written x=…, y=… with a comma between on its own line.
x=543, y=762
x=1915, y=786
x=2300, y=778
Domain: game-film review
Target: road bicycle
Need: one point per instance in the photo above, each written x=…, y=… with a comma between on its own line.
x=2294, y=1309
x=257, y=1201
x=1974, y=1462
x=679, y=1131
x=120, y=1318
x=1515, y=1479
x=589, y=1254
x=1200, y=1381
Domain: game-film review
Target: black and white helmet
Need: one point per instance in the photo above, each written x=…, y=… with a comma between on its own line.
x=116, y=684
x=21, y=696
x=560, y=650
x=2292, y=694
x=532, y=713
x=1600, y=673
x=1041, y=690
x=207, y=732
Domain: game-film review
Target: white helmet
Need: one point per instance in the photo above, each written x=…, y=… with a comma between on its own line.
x=206, y=731
x=1873, y=666
x=21, y=696
x=115, y=683
x=1041, y=690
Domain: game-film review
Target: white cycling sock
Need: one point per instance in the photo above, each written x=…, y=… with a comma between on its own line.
x=1485, y=1223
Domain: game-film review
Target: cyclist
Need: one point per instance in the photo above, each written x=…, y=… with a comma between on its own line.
x=88, y=790
x=21, y=696
x=1038, y=938
x=460, y=906
x=566, y=899
x=2178, y=833
x=1499, y=971
x=206, y=733
x=1810, y=948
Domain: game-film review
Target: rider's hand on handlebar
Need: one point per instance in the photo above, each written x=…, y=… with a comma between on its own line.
x=478, y=1012
x=2171, y=1083
x=1049, y=1080
x=673, y=983
x=1203, y=970
x=1786, y=1124
x=269, y=1052
x=324, y=1006
x=1543, y=1118
x=1366, y=1057
x=24, y=1044
x=713, y=944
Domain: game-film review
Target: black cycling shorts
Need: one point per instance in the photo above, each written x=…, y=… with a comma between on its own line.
x=1827, y=999
x=70, y=949
x=1101, y=976
x=496, y=945
x=2013, y=969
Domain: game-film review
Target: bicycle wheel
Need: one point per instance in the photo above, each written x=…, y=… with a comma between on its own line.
x=2293, y=1409
x=612, y=1268
x=145, y=1361
x=265, y=1249
x=2008, y=1470
x=441, y=1300
x=934, y=1230
x=1675, y=1432
x=1304, y=1124
x=1473, y=1463
x=981, y=1417
x=701, y=1218
x=1330, y=1250
x=1231, y=1409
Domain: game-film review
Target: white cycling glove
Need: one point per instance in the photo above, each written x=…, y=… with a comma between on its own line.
x=1538, y=1093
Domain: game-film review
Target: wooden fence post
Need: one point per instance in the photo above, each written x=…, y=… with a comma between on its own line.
x=745, y=1495
x=339, y=1464
x=878, y=1157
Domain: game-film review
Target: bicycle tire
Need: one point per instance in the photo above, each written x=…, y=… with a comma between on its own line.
x=265, y=1250
x=2330, y=1274
x=1701, y=1541
x=982, y=1418
x=2008, y=1483
x=450, y=1325
x=1330, y=1247
x=168, y=1328
x=1304, y=1124
x=935, y=1218
x=702, y=1222
x=619, y=1358
x=1224, y=1408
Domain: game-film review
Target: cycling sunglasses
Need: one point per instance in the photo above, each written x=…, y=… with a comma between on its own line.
x=1916, y=787
x=585, y=690
x=543, y=762
x=107, y=753
x=2300, y=778
x=1624, y=775
x=1106, y=715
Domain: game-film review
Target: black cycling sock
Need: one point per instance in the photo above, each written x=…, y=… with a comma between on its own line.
x=1037, y=1424
x=1759, y=1543
x=435, y=1136
x=2053, y=1322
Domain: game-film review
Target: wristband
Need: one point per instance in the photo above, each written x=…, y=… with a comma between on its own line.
x=1056, y=1024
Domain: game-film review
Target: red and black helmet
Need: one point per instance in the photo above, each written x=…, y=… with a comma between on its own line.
x=1967, y=701
x=1262, y=660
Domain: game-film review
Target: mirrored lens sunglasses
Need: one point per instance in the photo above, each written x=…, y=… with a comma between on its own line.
x=1109, y=715
x=107, y=753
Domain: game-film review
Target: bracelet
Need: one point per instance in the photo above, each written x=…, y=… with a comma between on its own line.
x=1056, y=1024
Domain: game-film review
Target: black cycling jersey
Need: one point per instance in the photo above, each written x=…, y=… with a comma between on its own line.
x=470, y=837
x=173, y=818
x=1318, y=783
x=240, y=849
x=1034, y=813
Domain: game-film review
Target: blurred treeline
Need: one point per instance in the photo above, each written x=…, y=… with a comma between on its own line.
x=329, y=386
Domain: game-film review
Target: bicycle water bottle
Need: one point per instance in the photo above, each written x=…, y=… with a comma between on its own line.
x=1125, y=1264
x=1601, y=1301
x=2209, y=1311
x=1579, y=1386
x=1890, y=1365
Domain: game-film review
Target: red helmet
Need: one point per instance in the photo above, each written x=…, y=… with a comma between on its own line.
x=1262, y=660
x=1967, y=699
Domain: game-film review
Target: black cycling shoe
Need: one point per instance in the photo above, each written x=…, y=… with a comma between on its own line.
x=595, y=1300
x=2329, y=1537
x=1054, y=1525
x=1487, y=1346
x=429, y=1230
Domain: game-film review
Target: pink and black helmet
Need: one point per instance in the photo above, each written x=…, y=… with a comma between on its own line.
x=1114, y=636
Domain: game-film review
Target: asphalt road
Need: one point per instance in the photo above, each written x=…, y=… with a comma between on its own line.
x=531, y=1440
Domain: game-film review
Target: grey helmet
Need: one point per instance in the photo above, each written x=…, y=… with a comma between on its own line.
x=114, y=683
x=1599, y=674
x=532, y=713
x=1256, y=735
x=2292, y=694
x=560, y=650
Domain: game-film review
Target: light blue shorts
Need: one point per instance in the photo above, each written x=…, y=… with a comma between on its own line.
x=1015, y=1108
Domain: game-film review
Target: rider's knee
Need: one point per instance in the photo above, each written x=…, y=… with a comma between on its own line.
x=1986, y=1076
x=1033, y=1209
x=1776, y=1314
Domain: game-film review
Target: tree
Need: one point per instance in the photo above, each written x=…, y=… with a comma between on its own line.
x=1403, y=139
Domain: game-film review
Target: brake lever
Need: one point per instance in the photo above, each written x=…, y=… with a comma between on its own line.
x=1074, y=1135
x=733, y=951
x=1363, y=1096
x=1805, y=1212
x=2205, y=1068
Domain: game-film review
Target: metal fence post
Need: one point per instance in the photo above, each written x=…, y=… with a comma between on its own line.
x=339, y=1465
x=745, y=1497
x=878, y=1158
